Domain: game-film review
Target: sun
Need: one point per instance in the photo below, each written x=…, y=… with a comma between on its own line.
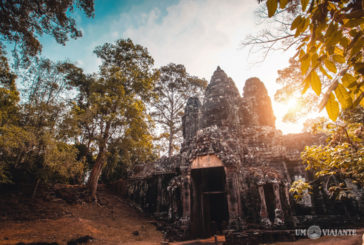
x=280, y=109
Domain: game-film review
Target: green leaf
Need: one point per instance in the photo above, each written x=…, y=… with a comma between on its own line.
x=338, y=50
x=272, y=7
x=301, y=53
x=307, y=85
x=343, y=96
x=283, y=3
x=344, y=42
x=354, y=22
x=334, y=38
x=314, y=60
x=305, y=63
x=315, y=83
x=313, y=49
x=330, y=30
x=332, y=108
x=331, y=6
x=356, y=46
x=331, y=66
x=339, y=58
x=302, y=26
x=296, y=22
x=348, y=80
x=323, y=71
x=304, y=4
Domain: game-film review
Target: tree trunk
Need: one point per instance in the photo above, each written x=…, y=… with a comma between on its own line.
x=95, y=174
x=35, y=188
x=99, y=163
x=170, y=143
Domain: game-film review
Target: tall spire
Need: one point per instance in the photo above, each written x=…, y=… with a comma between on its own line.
x=220, y=101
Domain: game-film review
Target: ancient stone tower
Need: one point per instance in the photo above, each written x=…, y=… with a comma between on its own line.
x=234, y=169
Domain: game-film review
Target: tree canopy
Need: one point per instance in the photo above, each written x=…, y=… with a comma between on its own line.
x=290, y=81
x=329, y=39
x=9, y=95
x=110, y=108
x=173, y=89
x=30, y=143
x=329, y=59
x=23, y=22
x=57, y=123
x=341, y=157
x=31, y=148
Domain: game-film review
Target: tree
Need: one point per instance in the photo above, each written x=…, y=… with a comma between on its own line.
x=30, y=146
x=45, y=93
x=111, y=104
x=291, y=80
x=23, y=22
x=9, y=98
x=123, y=153
x=341, y=157
x=173, y=89
x=9, y=95
x=329, y=38
x=276, y=33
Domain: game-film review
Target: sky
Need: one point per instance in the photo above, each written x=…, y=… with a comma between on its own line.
x=200, y=34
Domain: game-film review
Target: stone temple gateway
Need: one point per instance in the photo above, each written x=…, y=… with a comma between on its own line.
x=234, y=170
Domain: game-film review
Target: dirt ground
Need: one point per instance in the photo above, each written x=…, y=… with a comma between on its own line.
x=329, y=240
x=61, y=218
x=112, y=222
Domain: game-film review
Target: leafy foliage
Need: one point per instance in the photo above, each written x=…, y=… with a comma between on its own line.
x=291, y=80
x=9, y=95
x=29, y=143
x=173, y=89
x=328, y=36
x=330, y=43
x=299, y=188
x=32, y=147
x=342, y=156
x=9, y=98
x=23, y=22
x=110, y=108
x=30, y=158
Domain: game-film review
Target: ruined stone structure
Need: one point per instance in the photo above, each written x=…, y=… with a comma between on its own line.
x=234, y=169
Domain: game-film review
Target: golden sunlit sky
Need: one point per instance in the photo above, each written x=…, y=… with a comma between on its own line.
x=200, y=34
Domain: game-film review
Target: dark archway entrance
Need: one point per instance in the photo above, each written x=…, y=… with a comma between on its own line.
x=209, y=204
x=270, y=201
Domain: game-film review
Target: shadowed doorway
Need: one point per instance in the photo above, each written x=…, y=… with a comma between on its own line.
x=269, y=200
x=209, y=204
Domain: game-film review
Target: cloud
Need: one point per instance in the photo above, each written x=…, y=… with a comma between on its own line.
x=197, y=34
x=207, y=33
x=200, y=34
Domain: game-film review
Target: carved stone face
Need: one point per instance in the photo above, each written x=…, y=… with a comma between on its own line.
x=258, y=102
x=221, y=98
x=215, y=110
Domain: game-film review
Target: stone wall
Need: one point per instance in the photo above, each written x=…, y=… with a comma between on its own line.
x=233, y=159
